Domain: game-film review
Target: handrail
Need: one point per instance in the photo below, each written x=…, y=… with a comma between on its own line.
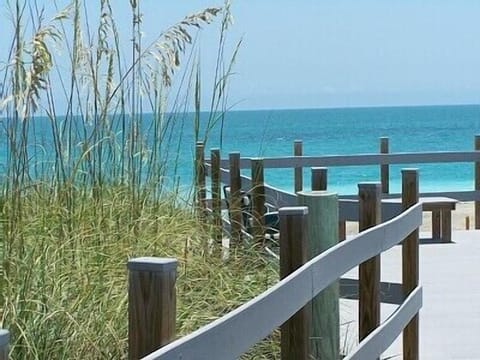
x=285, y=197
x=348, y=205
x=363, y=159
x=231, y=335
x=383, y=336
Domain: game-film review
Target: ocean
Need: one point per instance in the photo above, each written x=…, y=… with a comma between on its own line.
x=353, y=131
x=271, y=133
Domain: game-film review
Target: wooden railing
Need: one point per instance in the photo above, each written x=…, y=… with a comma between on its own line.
x=152, y=296
x=286, y=303
x=304, y=277
x=227, y=171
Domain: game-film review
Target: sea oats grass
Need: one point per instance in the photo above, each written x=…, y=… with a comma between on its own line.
x=84, y=188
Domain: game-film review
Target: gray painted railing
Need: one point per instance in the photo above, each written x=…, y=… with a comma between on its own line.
x=284, y=198
x=380, y=339
x=362, y=159
x=233, y=334
x=348, y=205
x=4, y=340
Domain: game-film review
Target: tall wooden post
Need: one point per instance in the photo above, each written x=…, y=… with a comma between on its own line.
x=477, y=183
x=322, y=234
x=384, y=169
x=4, y=340
x=293, y=254
x=369, y=272
x=151, y=304
x=200, y=192
x=216, y=194
x=298, y=151
x=410, y=261
x=258, y=200
x=235, y=199
x=319, y=178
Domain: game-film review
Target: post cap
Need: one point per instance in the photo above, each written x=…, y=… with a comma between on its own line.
x=152, y=264
x=369, y=185
x=293, y=210
x=321, y=193
x=407, y=170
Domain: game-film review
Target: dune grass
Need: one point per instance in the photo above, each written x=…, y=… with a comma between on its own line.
x=84, y=192
x=65, y=296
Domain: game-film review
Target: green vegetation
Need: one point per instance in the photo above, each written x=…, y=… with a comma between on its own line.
x=65, y=295
x=88, y=193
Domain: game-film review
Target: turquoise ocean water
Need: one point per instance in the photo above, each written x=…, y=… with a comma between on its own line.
x=355, y=131
x=323, y=132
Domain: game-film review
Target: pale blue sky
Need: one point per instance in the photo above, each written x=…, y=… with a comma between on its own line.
x=338, y=53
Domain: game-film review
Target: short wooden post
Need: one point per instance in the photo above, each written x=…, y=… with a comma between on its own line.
x=436, y=224
x=385, y=168
x=258, y=200
x=4, y=341
x=410, y=263
x=298, y=151
x=216, y=194
x=446, y=226
x=319, y=178
x=477, y=183
x=369, y=272
x=322, y=234
x=342, y=230
x=293, y=254
x=200, y=192
x=235, y=199
x=151, y=304
x=467, y=223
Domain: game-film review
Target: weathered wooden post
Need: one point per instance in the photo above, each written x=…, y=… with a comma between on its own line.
x=410, y=263
x=258, y=200
x=4, y=340
x=319, y=183
x=298, y=151
x=319, y=178
x=293, y=254
x=322, y=234
x=200, y=192
x=235, y=199
x=436, y=224
x=370, y=214
x=385, y=168
x=151, y=304
x=477, y=183
x=216, y=194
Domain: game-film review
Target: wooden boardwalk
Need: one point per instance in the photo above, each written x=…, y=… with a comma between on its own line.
x=450, y=316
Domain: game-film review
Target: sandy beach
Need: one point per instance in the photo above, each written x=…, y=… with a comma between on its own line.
x=459, y=215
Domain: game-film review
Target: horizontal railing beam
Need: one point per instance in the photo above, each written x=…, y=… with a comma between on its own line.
x=363, y=159
x=381, y=338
